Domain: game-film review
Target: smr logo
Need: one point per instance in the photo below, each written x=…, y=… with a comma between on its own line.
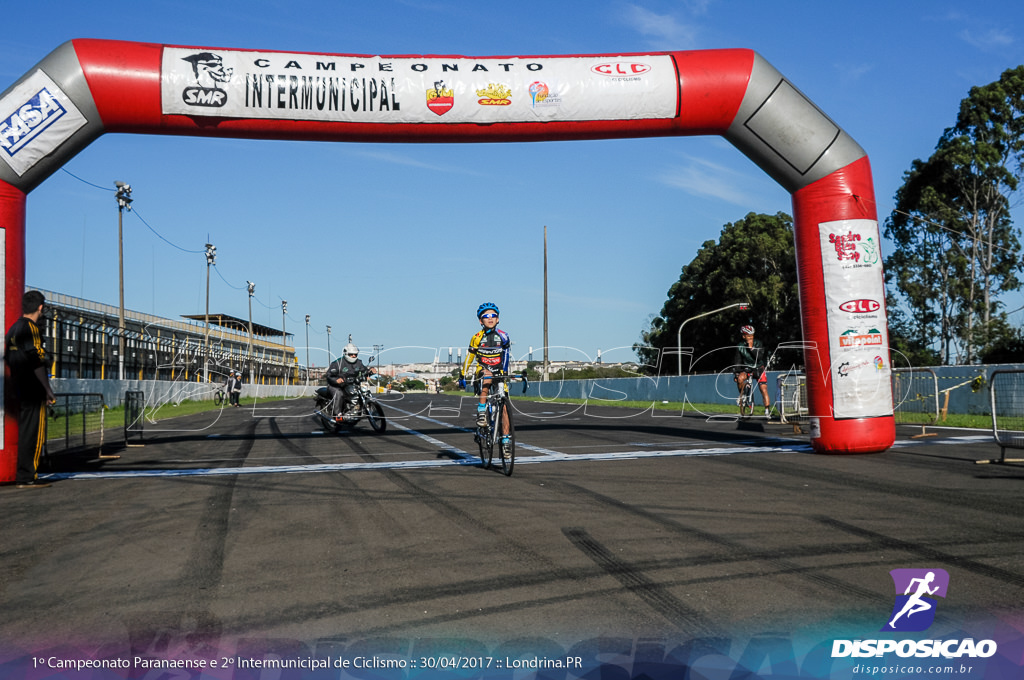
x=208, y=69
x=915, y=607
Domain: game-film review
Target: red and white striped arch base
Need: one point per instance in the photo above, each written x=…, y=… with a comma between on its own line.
x=86, y=88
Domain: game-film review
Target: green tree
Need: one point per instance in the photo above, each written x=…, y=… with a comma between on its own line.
x=957, y=249
x=752, y=261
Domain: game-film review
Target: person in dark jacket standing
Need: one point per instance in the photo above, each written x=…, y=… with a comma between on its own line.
x=28, y=387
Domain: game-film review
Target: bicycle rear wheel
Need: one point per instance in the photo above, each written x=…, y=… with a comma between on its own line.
x=507, y=451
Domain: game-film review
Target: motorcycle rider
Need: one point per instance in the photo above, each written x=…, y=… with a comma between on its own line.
x=343, y=379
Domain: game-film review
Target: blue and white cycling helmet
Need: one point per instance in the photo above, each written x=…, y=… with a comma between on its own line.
x=484, y=307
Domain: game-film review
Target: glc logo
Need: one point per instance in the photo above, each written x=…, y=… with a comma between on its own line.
x=860, y=306
x=619, y=69
x=915, y=607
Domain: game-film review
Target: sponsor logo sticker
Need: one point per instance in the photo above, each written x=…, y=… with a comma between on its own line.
x=35, y=118
x=495, y=94
x=855, y=338
x=860, y=306
x=208, y=72
x=440, y=99
x=620, y=69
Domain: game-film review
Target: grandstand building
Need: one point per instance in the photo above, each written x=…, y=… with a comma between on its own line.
x=82, y=338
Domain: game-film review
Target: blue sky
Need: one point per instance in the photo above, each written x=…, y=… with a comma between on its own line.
x=398, y=244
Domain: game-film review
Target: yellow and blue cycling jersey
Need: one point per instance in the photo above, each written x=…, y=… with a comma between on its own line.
x=492, y=349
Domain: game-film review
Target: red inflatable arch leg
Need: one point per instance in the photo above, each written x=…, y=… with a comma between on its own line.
x=12, y=239
x=842, y=300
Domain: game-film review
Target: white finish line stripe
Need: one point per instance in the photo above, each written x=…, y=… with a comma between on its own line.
x=416, y=464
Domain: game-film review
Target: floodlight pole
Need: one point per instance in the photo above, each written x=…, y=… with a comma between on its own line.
x=211, y=258
x=330, y=359
x=545, y=376
x=124, y=202
x=284, y=340
x=679, y=334
x=307, y=349
x=252, y=364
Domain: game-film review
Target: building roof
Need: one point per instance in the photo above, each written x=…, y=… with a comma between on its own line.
x=236, y=324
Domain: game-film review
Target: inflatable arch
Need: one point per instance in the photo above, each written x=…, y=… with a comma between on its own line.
x=86, y=88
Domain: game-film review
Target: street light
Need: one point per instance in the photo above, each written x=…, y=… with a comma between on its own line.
x=307, y=349
x=211, y=259
x=124, y=202
x=330, y=359
x=252, y=364
x=679, y=333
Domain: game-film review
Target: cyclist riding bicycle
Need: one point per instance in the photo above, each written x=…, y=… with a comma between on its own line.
x=491, y=348
x=749, y=361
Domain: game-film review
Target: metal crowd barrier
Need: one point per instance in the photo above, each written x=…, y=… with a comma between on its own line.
x=1007, y=395
x=75, y=424
x=134, y=417
x=915, y=393
x=792, y=396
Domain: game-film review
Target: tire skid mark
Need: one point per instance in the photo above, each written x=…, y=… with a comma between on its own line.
x=931, y=555
x=205, y=563
x=941, y=496
x=737, y=551
x=635, y=581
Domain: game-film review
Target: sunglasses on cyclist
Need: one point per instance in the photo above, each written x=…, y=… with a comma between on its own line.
x=353, y=355
x=488, y=316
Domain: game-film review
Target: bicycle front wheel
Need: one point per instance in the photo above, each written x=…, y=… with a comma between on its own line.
x=507, y=450
x=485, y=442
x=747, y=401
x=218, y=398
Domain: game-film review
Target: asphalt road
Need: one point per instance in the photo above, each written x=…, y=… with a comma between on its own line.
x=251, y=530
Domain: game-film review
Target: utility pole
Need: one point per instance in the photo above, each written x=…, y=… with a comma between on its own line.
x=545, y=376
x=124, y=202
x=252, y=364
x=211, y=259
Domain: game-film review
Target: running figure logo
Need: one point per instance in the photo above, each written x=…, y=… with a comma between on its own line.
x=915, y=607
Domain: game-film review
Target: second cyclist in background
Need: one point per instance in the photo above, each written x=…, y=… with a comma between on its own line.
x=492, y=349
x=750, y=362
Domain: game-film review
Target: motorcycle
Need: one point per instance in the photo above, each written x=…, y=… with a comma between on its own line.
x=362, y=405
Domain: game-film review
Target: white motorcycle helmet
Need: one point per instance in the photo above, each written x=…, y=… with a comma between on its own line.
x=351, y=353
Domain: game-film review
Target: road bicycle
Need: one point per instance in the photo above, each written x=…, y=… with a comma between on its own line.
x=752, y=385
x=219, y=397
x=746, y=399
x=490, y=435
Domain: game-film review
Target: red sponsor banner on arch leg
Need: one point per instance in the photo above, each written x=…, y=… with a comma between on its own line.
x=842, y=300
